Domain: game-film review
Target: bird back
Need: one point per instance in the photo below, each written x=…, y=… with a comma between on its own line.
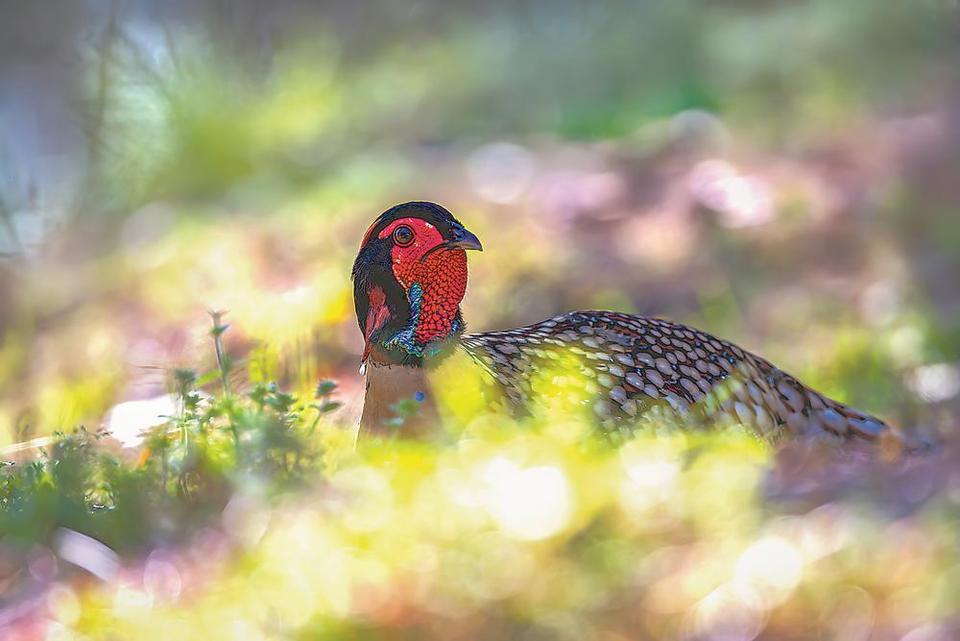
x=631, y=368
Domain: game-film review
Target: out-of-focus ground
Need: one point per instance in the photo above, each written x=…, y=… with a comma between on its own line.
x=784, y=175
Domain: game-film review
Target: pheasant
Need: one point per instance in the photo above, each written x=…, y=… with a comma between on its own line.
x=410, y=276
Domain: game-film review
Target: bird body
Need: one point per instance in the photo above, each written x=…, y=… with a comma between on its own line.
x=635, y=366
x=410, y=277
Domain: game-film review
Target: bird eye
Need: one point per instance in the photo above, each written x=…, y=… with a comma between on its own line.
x=403, y=235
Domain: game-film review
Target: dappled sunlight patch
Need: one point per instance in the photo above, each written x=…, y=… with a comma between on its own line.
x=721, y=615
x=767, y=572
x=464, y=392
x=128, y=421
x=529, y=504
x=649, y=489
x=309, y=567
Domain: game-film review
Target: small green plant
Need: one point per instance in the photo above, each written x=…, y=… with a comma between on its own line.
x=323, y=401
x=217, y=443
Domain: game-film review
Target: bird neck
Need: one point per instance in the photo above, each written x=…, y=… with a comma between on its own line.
x=397, y=401
x=396, y=363
x=433, y=323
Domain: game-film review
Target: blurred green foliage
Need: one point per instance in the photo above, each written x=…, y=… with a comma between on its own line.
x=184, y=474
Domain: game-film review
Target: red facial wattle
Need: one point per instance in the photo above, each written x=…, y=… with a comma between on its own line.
x=443, y=277
x=441, y=273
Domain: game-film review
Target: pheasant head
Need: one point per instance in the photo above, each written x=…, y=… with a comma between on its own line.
x=409, y=278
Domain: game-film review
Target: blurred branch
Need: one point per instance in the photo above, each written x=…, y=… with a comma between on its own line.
x=6, y=218
x=94, y=121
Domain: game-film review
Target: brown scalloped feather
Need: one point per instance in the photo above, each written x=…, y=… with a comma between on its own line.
x=633, y=365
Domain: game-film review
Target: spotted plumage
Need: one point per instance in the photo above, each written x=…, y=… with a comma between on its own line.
x=411, y=275
x=633, y=365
